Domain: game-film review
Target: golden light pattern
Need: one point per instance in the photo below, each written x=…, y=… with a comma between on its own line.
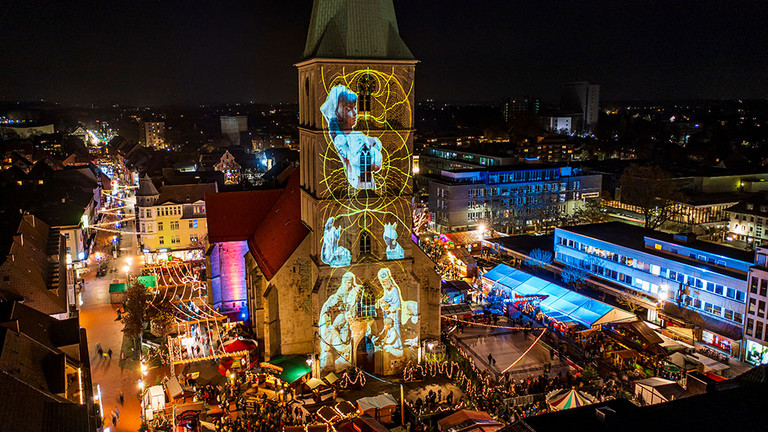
x=387, y=118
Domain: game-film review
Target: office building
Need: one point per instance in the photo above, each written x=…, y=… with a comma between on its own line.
x=748, y=220
x=584, y=98
x=514, y=199
x=526, y=104
x=699, y=289
x=434, y=160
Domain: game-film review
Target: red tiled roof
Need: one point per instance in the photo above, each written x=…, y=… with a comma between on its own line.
x=269, y=219
x=281, y=231
x=234, y=216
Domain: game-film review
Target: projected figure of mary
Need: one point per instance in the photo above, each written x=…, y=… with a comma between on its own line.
x=360, y=154
x=333, y=254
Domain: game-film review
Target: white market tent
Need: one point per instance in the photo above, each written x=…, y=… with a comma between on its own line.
x=560, y=303
x=154, y=400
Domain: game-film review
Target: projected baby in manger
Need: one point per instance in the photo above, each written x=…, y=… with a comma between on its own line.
x=359, y=153
x=357, y=312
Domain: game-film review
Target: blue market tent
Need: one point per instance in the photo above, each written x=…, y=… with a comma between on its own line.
x=560, y=303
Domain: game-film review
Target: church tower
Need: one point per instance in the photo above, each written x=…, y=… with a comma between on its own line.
x=377, y=293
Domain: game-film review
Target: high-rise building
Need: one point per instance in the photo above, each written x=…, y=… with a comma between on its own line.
x=378, y=292
x=528, y=104
x=584, y=98
x=232, y=126
x=152, y=134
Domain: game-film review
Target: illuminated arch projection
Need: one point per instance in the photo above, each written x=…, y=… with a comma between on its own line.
x=365, y=316
x=366, y=164
x=370, y=316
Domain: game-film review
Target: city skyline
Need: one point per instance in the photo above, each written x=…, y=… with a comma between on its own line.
x=154, y=54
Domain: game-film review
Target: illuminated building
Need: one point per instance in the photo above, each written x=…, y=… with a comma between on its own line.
x=152, y=134
x=696, y=289
x=231, y=126
x=517, y=198
x=756, y=327
x=527, y=104
x=749, y=220
x=331, y=270
x=584, y=98
x=173, y=220
x=229, y=167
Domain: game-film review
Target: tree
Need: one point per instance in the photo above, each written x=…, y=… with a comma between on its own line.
x=628, y=302
x=136, y=302
x=161, y=317
x=653, y=191
x=538, y=259
x=591, y=212
x=574, y=276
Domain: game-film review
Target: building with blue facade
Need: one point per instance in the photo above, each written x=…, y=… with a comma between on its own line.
x=699, y=288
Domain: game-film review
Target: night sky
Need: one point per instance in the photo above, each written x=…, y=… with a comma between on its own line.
x=166, y=52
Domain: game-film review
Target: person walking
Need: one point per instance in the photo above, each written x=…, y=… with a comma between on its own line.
x=110, y=353
x=122, y=398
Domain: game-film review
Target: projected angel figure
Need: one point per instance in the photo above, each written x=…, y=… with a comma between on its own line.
x=333, y=254
x=394, y=250
x=360, y=154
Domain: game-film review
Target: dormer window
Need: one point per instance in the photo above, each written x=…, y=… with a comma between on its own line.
x=750, y=206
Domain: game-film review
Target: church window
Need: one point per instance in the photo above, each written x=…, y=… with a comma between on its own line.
x=366, y=178
x=366, y=86
x=365, y=242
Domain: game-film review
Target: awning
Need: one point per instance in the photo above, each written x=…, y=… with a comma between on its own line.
x=117, y=288
x=381, y=401
x=626, y=354
x=292, y=367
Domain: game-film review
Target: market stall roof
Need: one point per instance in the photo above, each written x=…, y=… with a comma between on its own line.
x=117, y=287
x=314, y=383
x=562, y=302
x=642, y=330
x=456, y=309
x=331, y=378
x=465, y=419
x=384, y=400
x=148, y=281
x=293, y=367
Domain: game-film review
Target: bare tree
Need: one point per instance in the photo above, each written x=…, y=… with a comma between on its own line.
x=574, y=276
x=628, y=302
x=652, y=190
x=538, y=259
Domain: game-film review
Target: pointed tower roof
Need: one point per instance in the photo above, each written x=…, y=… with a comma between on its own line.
x=355, y=29
x=146, y=187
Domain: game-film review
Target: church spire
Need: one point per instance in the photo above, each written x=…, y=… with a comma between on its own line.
x=355, y=29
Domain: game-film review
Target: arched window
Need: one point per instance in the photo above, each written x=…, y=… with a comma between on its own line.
x=366, y=177
x=366, y=85
x=365, y=242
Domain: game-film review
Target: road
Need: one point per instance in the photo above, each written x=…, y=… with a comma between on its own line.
x=97, y=316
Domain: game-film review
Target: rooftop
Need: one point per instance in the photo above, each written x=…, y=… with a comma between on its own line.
x=185, y=194
x=354, y=29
